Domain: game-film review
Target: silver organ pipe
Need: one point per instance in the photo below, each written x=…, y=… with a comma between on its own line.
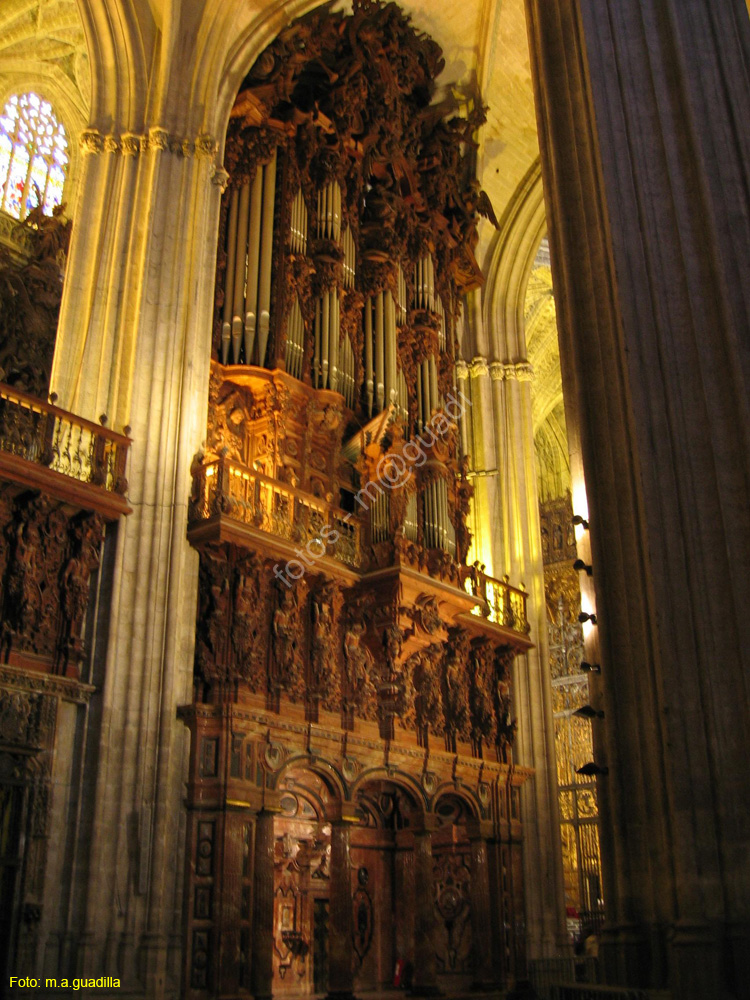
x=403, y=397
x=379, y=518
x=240, y=263
x=420, y=403
x=240, y=256
x=410, y=519
x=426, y=393
x=442, y=496
x=333, y=338
x=441, y=328
x=226, y=334
x=434, y=397
x=253, y=258
x=379, y=353
x=391, y=348
x=424, y=283
x=329, y=212
x=346, y=375
x=401, y=300
x=295, y=338
x=325, y=326
x=298, y=224
x=327, y=370
x=266, y=251
x=247, y=288
x=350, y=258
x=317, y=371
x=369, y=382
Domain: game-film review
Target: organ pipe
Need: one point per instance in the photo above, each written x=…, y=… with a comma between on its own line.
x=253, y=257
x=325, y=326
x=231, y=251
x=391, y=386
x=333, y=337
x=350, y=258
x=420, y=403
x=266, y=251
x=369, y=383
x=401, y=303
x=379, y=353
x=295, y=337
x=240, y=256
x=434, y=397
x=410, y=520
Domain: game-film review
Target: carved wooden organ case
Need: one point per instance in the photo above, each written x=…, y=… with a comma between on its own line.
x=337, y=620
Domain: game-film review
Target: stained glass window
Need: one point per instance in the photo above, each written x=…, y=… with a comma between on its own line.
x=33, y=156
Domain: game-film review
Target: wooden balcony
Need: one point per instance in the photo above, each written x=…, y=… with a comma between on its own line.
x=74, y=460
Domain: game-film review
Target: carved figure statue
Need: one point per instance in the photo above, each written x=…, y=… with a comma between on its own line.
x=456, y=687
x=325, y=672
x=361, y=694
x=246, y=618
x=287, y=675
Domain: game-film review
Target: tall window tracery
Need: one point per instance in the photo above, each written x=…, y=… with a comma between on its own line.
x=33, y=156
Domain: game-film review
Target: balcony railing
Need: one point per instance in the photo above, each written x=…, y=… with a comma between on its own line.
x=36, y=436
x=502, y=604
x=579, y=991
x=228, y=488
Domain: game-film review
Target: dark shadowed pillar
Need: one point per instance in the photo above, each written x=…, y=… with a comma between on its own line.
x=481, y=913
x=341, y=926
x=262, y=929
x=644, y=129
x=425, y=959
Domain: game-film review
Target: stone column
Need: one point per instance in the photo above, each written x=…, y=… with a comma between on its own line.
x=483, y=931
x=508, y=539
x=424, y=982
x=644, y=127
x=261, y=970
x=341, y=925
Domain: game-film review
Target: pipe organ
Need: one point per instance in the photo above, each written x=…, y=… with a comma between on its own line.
x=338, y=627
x=320, y=278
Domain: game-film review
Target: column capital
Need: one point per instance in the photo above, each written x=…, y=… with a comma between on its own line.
x=427, y=823
x=479, y=829
x=343, y=813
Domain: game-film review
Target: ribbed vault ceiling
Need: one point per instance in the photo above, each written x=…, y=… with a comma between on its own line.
x=45, y=39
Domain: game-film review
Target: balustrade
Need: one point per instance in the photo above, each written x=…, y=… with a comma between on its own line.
x=501, y=603
x=50, y=438
x=231, y=489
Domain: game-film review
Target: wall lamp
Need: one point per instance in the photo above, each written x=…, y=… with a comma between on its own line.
x=582, y=521
x=580, y=566
x=587, y=712
x=586, y=617
x=592, y=668
x=591, y=770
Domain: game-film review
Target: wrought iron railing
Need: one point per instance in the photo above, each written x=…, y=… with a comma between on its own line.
x=228, y=488
x=545, y=973
x=48, y=437
x=582, y=991
x=500, y=602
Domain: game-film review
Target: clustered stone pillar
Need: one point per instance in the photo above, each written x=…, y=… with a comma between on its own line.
x=341, y=927
x=644, y=131
x=425, y=967
x=262, y=964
